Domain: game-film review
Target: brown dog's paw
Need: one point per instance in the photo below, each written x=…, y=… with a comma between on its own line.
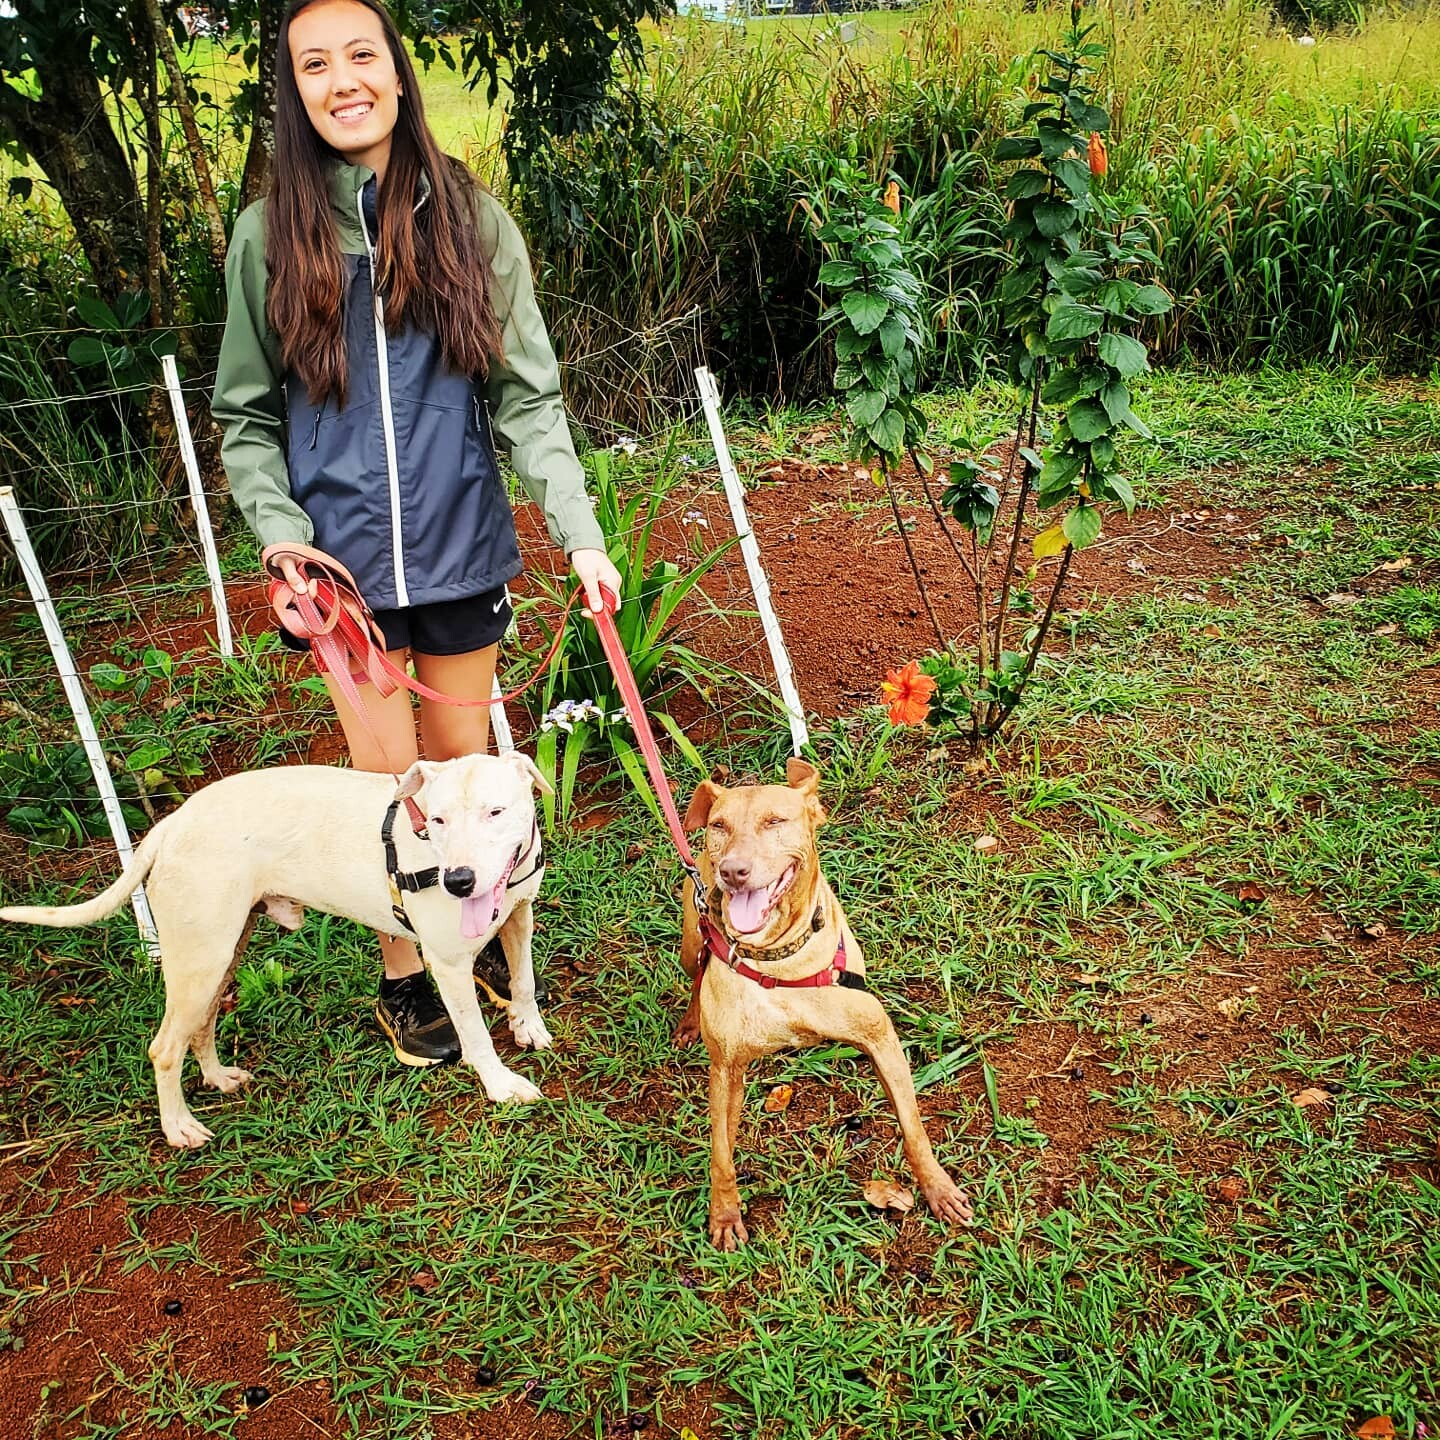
x=727, y=1230
x=949, y=1203
x=687, y=1032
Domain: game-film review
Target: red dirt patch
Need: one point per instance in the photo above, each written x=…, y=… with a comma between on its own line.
x=90, y=1319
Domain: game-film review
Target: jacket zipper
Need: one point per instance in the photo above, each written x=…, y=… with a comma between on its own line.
x=387, y=419
x=315, y=436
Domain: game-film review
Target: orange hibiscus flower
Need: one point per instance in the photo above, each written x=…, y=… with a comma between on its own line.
x=1099, y=159
x=907, y=692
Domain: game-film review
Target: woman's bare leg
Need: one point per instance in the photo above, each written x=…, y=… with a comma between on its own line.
x=449, y=731
x=386, y=744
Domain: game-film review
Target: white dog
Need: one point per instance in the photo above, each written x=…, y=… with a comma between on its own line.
x=274, y=841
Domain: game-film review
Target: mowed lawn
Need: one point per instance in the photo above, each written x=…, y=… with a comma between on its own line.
x=1216, y=888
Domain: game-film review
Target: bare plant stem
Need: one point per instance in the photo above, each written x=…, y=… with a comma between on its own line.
x=993, y=727
x=993, y=718
x=939, y=514
x=910, y=555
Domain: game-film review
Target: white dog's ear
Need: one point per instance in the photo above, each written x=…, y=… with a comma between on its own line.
x=413, y=779
x=527, y=767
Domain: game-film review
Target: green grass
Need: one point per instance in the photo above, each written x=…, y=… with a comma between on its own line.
x=1108, y=1291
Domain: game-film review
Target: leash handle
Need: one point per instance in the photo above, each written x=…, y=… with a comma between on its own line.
x=604, y=619
x=345, y=639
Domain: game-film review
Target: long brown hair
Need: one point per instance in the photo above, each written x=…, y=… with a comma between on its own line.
x=430, y=267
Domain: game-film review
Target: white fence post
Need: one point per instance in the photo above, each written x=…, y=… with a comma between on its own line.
x=84, y=723
x=198, y=504
x=499, y=722
x=750, y=549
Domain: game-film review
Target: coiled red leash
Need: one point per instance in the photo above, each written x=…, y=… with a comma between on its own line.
x=348, y=644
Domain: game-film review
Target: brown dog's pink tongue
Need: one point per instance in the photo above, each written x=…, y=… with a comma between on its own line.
x=748, y=909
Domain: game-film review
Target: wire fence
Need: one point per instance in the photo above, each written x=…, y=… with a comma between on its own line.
x=142, y=615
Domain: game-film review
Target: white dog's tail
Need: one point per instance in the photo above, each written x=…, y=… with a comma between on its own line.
x=105, y=903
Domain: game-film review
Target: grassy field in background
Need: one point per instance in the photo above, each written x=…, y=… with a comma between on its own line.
x=1107, y=1028
x=1391, y=60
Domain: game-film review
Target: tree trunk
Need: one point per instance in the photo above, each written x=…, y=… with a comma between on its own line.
x=87, y=167
x=148, y=98
x=261, y=154
x=198, y=161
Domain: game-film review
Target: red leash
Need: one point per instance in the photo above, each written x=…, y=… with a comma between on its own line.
x=717, y=943
x=348, y=644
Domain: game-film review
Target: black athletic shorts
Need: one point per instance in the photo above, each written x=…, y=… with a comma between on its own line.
x=449, y=627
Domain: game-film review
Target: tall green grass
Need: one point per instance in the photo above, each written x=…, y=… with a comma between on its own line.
x=1292, y=189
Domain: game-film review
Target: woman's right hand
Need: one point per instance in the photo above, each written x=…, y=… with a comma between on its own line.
x=295, y=577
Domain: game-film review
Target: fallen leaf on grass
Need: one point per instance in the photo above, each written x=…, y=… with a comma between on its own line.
x=1341, y=599
x=686, y=1433
x=1231, y=1188
x=779, y=1099
x=596, y=819
x=1088, y=977
x=1213, y=631
x=1250, y=893
x=1375, y=930
x=423, y=1282
x=1311, y=1096
x=1232, y=1006
x=887, y=1195
x=985, y=843
x=977, y=766
x=1384, y=629
x=1403, y=563
x=71, y=1001
x=1380, y=1428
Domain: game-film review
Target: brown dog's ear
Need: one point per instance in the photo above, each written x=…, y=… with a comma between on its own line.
x=698, y=815
x=801, y=775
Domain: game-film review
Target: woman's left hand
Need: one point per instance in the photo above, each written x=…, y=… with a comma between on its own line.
x=593, y=569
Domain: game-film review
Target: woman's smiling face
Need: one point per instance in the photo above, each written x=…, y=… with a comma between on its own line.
x=347, y=81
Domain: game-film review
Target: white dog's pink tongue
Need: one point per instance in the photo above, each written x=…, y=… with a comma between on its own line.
x=748, y=909
x=478, y=912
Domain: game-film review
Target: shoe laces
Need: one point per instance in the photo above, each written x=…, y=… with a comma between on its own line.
x=415, y=1003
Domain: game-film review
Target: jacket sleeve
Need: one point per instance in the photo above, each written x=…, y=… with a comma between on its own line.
x=249, y=398
x=522, y=391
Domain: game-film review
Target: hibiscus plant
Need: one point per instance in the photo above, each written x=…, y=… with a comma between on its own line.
x=1075, y=292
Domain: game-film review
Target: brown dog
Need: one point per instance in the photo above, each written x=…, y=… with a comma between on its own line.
x=771, y=911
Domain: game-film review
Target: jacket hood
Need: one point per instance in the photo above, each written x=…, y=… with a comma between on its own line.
x=346, y=182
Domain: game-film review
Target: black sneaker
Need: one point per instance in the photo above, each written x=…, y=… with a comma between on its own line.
x=410, y=1013
x=492, y=975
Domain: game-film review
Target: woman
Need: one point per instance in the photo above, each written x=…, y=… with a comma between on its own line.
x=382, y=337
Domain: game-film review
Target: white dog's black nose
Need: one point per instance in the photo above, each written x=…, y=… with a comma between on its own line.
x=460, y=881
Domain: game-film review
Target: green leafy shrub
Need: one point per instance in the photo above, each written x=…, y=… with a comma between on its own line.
x=1075, y=293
